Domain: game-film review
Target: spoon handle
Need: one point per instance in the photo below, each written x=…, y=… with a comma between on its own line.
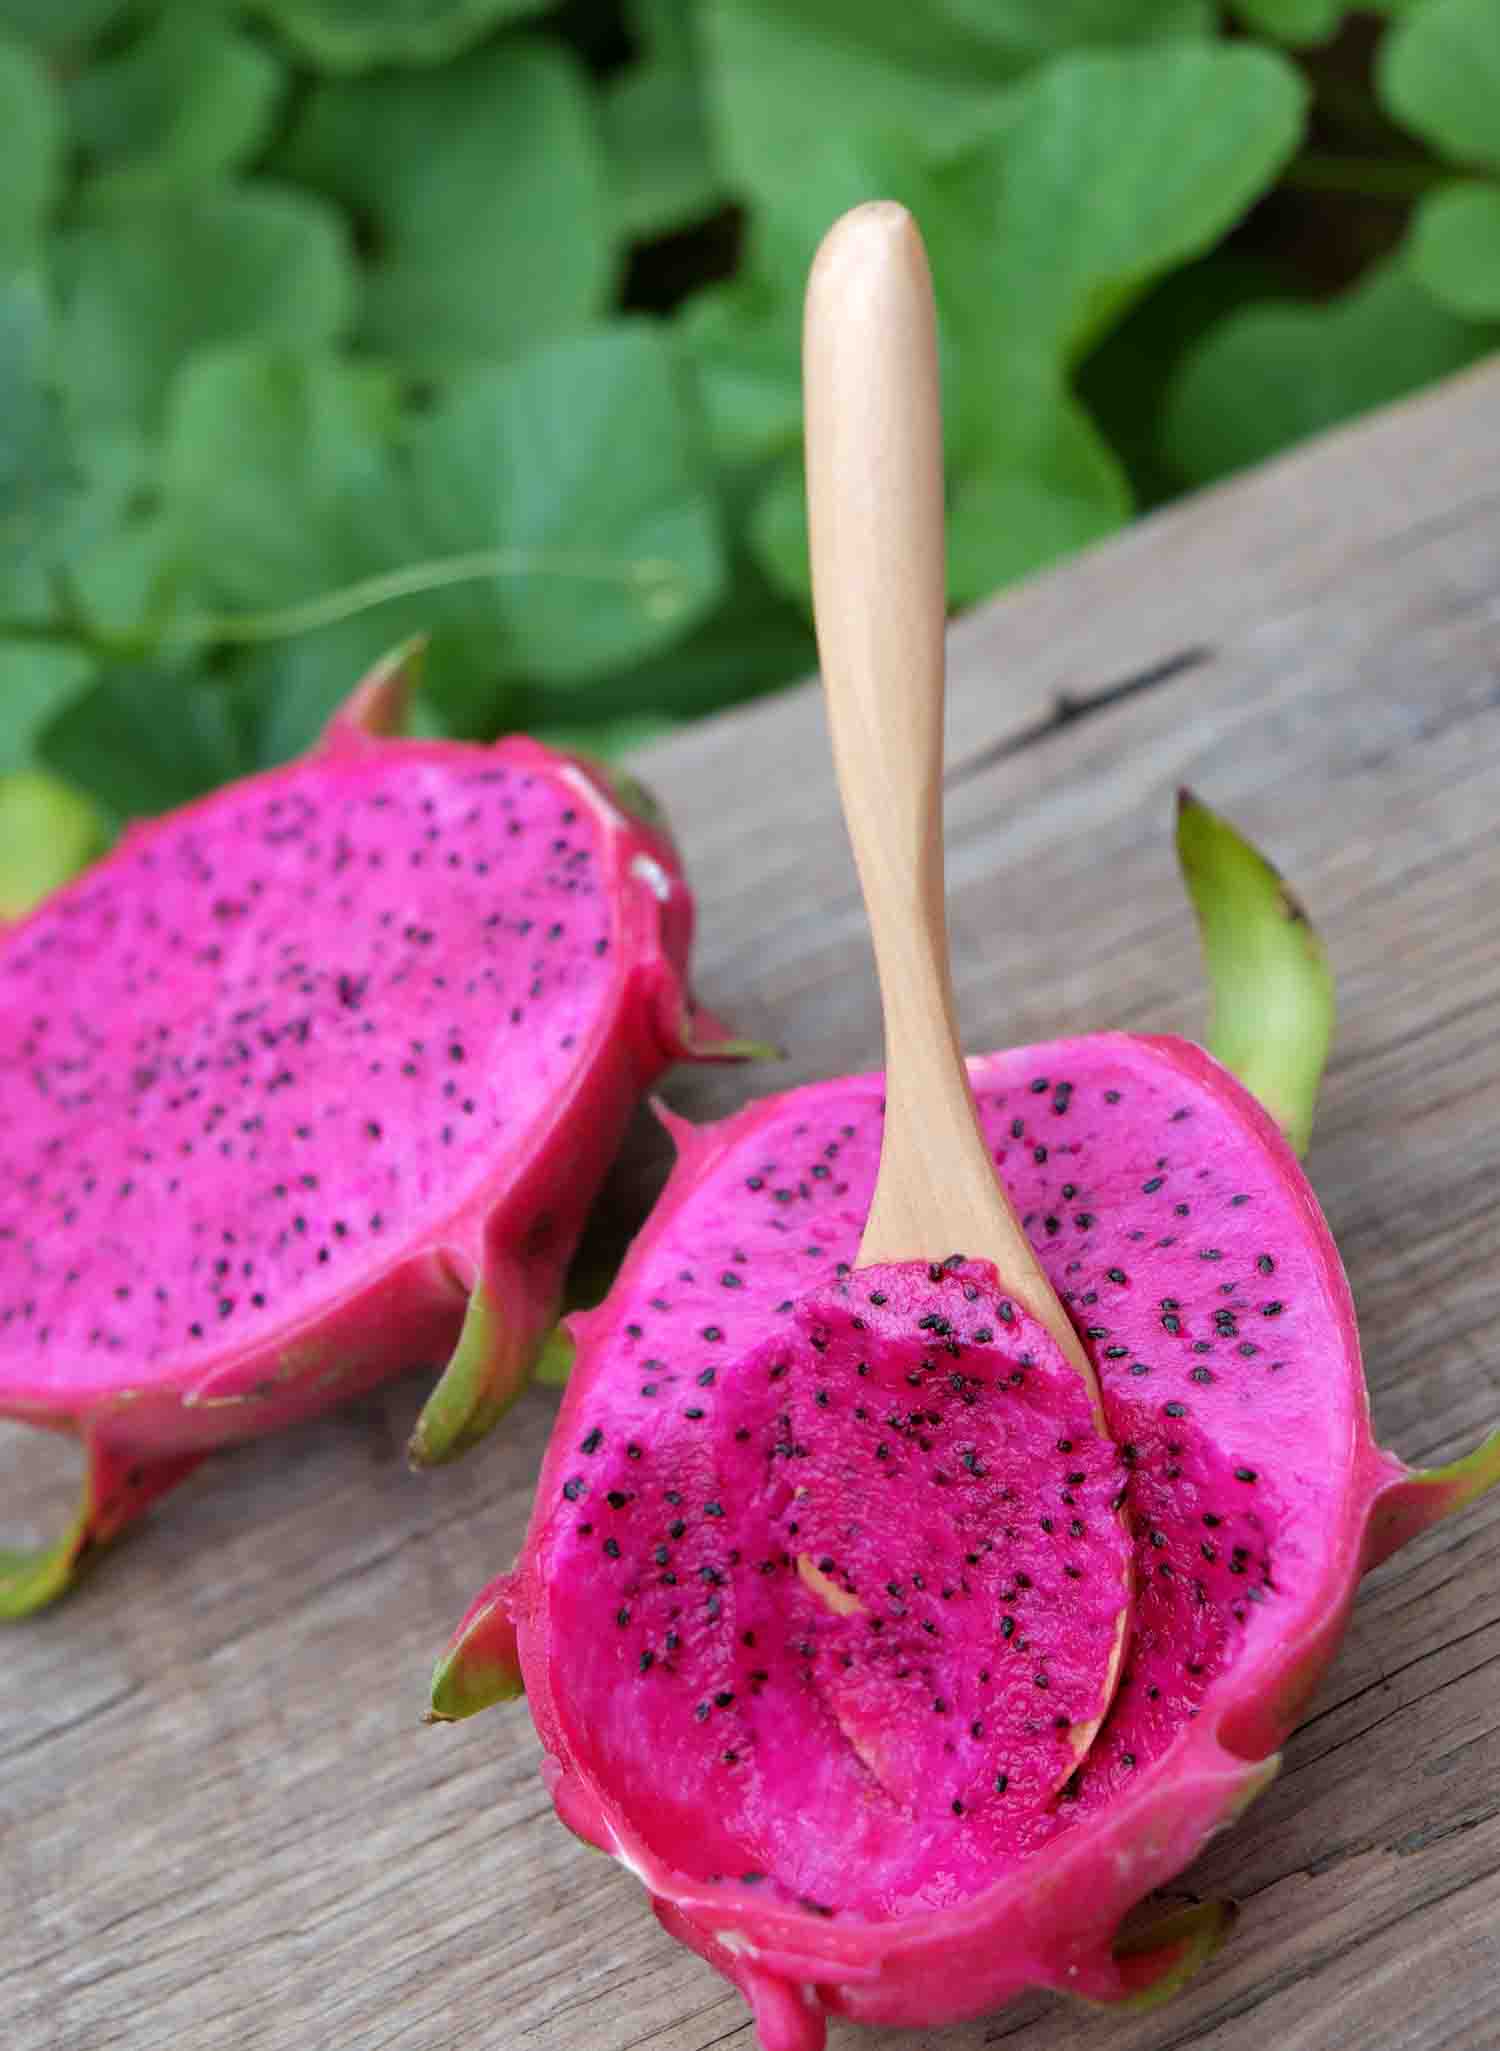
x=875, y=515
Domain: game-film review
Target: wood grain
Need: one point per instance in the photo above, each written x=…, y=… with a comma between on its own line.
x=220, y=1824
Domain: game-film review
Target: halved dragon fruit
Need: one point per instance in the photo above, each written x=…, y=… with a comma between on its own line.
x=313, y=1081
x=810, y=1605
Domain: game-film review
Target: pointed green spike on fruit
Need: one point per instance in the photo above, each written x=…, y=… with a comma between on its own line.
x=380, y=704
x=1273, y=993
x=555, y=1361
x=700, y=1042
x=488, y=1370
x=117, y=1489
x=1417, y=1498
x=479, y=1665
x=33, y=1576
x=48, y=832
x=1158, y=1962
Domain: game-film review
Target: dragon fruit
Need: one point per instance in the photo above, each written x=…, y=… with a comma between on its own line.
x=808, y=1612
x=313, y=1081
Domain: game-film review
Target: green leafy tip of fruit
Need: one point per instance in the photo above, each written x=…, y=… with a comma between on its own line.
x=1273, y=994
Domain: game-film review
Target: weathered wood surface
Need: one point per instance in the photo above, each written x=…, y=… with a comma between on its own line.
x=220, y=1824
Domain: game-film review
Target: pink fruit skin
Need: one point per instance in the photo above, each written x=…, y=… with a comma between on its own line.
x=150, y=1406
x=1260, y=1365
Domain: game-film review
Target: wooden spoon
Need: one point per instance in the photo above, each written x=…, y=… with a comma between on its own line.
x=875, y=514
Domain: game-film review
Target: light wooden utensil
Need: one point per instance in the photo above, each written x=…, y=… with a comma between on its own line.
x=875, y=512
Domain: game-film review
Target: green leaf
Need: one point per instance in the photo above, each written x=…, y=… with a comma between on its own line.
x=1109, y=175
x=144, y=740
x=744, y=342
x=1455, y=248
x=38, y=475
x=278, y=474
x=192, y=97
x=1292, y=21
x=1040, y=484
x=194, y=270
x=1266, y=377
x=31, y=121
x=487, y=186
x=752, y=643
x=59, y=25
x=355, y=35
x=1124, y=382
x=582, y=459
x=656, y=126
x=48, y=832
x=1274, y=1002
x=788, y=75
x=36, y=681
x=1439, y=75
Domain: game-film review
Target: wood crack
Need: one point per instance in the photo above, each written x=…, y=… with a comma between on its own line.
x=1069, y=710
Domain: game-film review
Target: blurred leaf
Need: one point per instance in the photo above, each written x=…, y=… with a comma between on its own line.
x=31, y=120
x=144, y=740
x=190, y=98
x=744, y=341
x=279, y=475
x=605, y=737
x=1042, y=483
x=754, y=642
x=38, y=476
x=36, y=680
x=1270, y=375
x=787, y=75
x=1031, y=31
x=487, y=187
x=355, y=35
x=1293, y=21
x=59, y=24
x=583, y=459
x=1124, y=382
x=1101, y=177
x=48, y=832
x=1439, y=75
x=656, y=126
x=232, y=262
x=1455, y=249
x=1109, y=175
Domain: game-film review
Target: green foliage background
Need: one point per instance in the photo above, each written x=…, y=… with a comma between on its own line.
x=327, y=321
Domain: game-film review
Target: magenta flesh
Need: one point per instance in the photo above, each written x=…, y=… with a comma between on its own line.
x=297, y=1069
x=1190, y=1252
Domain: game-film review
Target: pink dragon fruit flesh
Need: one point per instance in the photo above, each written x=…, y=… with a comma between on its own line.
x=812, y=1607
x=313, y=1081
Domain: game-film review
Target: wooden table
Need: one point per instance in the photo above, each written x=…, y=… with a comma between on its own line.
x=220, y=1823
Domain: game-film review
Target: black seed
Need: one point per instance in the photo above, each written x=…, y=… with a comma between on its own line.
x=593, y=1442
